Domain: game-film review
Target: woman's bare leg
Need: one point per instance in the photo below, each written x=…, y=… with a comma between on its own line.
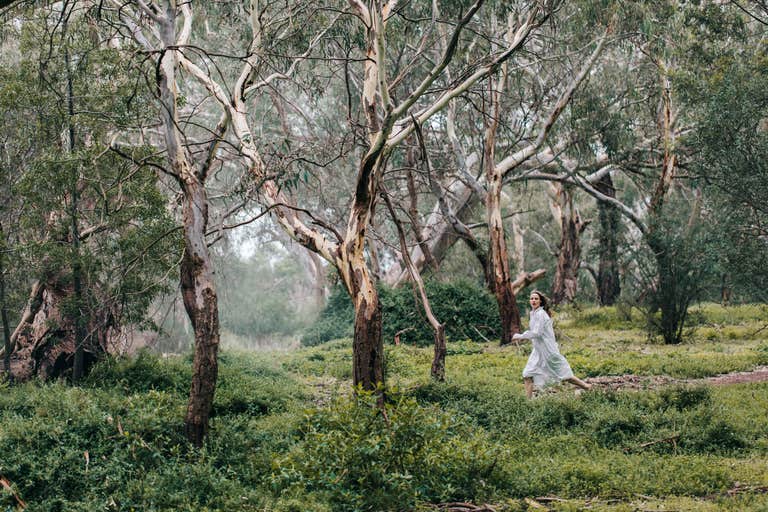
x=528, y=382
x=578, y=382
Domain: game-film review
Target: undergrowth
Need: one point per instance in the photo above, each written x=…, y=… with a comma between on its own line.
x=287, y=434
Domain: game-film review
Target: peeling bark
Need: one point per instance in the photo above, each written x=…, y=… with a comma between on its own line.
x=569, y=254
x=367, y=342
x=499, y=275
x=201, y=303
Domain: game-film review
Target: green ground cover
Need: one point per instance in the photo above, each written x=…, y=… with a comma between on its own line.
x=288, y=436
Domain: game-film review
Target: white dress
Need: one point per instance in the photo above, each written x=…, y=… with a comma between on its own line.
x=546, y=365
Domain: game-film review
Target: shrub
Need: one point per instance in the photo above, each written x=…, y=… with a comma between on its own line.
x=142, y=373
x=682, y=397
x=708, y=434
x=463, y=307
x=358, y=459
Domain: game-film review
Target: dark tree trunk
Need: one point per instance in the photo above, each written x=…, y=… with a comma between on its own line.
x=569, y=255
x=608, y=277
x=4, y=310
x=500, y=283
x=726, y=290
x=200, y=301
x=79, y=319
x=438, y=360
x=47, y=336
x=367, y=343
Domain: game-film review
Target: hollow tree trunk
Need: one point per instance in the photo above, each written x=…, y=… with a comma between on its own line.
x=608, y=278
x=201, y=303
x=569, y=255
x=46, y=338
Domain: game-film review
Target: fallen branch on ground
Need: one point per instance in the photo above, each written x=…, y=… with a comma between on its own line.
x=671, y=440
x=7, y=486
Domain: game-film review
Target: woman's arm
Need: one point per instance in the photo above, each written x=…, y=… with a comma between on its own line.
x=535, y=330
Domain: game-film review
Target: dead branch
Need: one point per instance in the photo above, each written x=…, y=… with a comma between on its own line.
x=5, y=484
x=670, y=440
x=400, y=332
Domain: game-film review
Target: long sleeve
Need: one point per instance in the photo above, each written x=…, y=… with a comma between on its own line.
x=536, y=328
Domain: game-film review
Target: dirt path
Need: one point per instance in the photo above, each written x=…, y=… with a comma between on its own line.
x=637, y=382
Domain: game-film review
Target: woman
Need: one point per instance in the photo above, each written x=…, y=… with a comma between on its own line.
x=546, y=365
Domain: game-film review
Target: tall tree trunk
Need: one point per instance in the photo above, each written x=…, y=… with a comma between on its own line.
x=78, y=319
x=608, y=278
x=199, y=294
x=671, y=320
x=4, y=309
x=198, y=286
x=500, y=279
x=569, y=254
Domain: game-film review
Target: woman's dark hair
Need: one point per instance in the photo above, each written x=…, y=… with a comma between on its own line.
x=544, y=301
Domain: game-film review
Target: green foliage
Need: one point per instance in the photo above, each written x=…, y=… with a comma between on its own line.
x=244, y=386
x=335, y=320
x=49, y=152
x=143, y=373
x=359, y=457
x=463, y=307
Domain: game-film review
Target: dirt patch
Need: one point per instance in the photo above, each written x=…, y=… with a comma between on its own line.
x=759, y=374
x=640, y=382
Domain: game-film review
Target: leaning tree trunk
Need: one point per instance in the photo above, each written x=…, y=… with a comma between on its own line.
x=569, y=255
x=438, y=361
x=199, y=294
x=608, y=278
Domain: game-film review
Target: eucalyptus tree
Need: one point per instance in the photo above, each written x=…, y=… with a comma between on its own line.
x=85, y=220
x=383, y=124
x=726, y=88
x=641, y=130
x=514, y=116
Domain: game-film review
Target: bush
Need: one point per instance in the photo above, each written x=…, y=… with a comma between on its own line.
x=463, y=307
x=358, y=459
x=142, y=373
x=682, y=397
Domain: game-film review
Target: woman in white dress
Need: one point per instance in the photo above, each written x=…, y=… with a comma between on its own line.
x=546, y=365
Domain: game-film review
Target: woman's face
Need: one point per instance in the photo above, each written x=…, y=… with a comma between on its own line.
x=535, y=300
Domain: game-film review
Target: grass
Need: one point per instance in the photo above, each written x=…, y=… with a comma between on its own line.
x=286, y=435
